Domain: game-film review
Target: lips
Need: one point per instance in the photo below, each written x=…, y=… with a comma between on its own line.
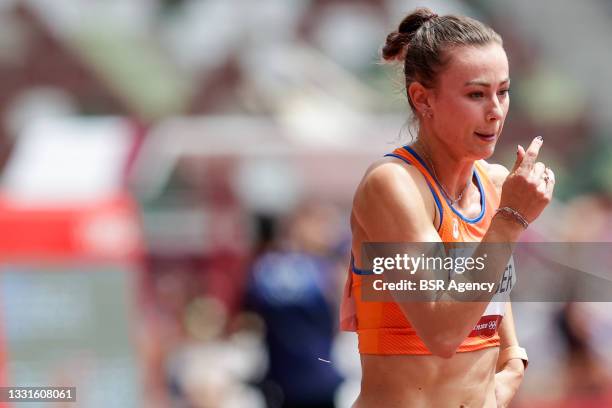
x=485, y=136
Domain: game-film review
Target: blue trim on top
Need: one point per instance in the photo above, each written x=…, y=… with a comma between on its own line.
x=483, y=201
x=433, y=192
x=359, y=271
x=412, y=152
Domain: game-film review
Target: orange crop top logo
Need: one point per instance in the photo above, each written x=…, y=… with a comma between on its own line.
x=382, y=328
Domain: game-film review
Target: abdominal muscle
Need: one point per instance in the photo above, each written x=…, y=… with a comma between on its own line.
x=466, y=380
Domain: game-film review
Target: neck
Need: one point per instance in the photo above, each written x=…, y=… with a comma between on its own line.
x=454, y=173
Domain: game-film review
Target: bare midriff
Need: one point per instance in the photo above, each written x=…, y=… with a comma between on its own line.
x=466, y=380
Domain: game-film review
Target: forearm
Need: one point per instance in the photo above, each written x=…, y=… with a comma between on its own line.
x=454, y=315
x=508, y=381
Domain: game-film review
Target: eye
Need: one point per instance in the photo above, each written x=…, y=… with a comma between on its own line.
x=476, y=95
x=504, y=92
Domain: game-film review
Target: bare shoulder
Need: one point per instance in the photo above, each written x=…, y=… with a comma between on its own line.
x=390, y=195
x=388, y=175
x=497, y=173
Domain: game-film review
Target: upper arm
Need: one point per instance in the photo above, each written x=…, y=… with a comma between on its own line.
x=507, y=331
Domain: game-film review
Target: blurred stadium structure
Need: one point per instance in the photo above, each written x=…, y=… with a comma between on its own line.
x=157, y=154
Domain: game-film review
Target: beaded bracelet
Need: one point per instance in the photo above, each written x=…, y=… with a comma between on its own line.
x=514, y=214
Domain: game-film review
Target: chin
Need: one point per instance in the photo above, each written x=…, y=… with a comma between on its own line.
x=483, y=153
x=488, y=153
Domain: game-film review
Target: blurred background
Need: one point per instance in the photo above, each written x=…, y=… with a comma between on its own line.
x=177, y=176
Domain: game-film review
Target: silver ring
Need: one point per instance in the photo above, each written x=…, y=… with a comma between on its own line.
x=546, y=176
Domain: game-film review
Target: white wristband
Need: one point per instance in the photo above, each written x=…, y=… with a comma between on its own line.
x=512, y=352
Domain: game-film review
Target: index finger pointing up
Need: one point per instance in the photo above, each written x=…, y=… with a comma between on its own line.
x=531, y=154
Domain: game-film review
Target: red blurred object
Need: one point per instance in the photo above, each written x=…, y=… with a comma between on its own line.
x=106, y=230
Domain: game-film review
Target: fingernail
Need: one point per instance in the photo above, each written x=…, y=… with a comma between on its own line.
x=517, y=149
x=540, y=138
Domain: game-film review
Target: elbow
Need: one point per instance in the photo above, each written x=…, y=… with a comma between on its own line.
x=440, y=332
x=444, y=348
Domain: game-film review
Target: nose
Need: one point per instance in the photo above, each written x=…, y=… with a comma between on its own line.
x=495, y=111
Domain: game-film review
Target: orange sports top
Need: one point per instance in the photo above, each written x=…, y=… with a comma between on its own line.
x=382, y=328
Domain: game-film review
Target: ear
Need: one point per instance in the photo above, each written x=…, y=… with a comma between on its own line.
x=420, y=97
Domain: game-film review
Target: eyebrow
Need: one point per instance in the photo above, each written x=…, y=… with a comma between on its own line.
x=484, y=83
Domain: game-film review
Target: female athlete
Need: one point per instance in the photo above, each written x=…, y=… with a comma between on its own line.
x=441, y=189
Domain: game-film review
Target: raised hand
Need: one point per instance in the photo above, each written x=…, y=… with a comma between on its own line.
x=529, y=187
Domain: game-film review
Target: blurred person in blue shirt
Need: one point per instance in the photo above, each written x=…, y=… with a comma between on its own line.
x=292, y=287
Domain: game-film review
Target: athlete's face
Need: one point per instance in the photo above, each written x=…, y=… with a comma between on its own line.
x=470, y=101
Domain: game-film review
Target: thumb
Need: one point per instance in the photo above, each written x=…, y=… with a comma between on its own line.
x=520, y=154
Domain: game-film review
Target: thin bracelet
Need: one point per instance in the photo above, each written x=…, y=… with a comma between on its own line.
x=514, y=214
